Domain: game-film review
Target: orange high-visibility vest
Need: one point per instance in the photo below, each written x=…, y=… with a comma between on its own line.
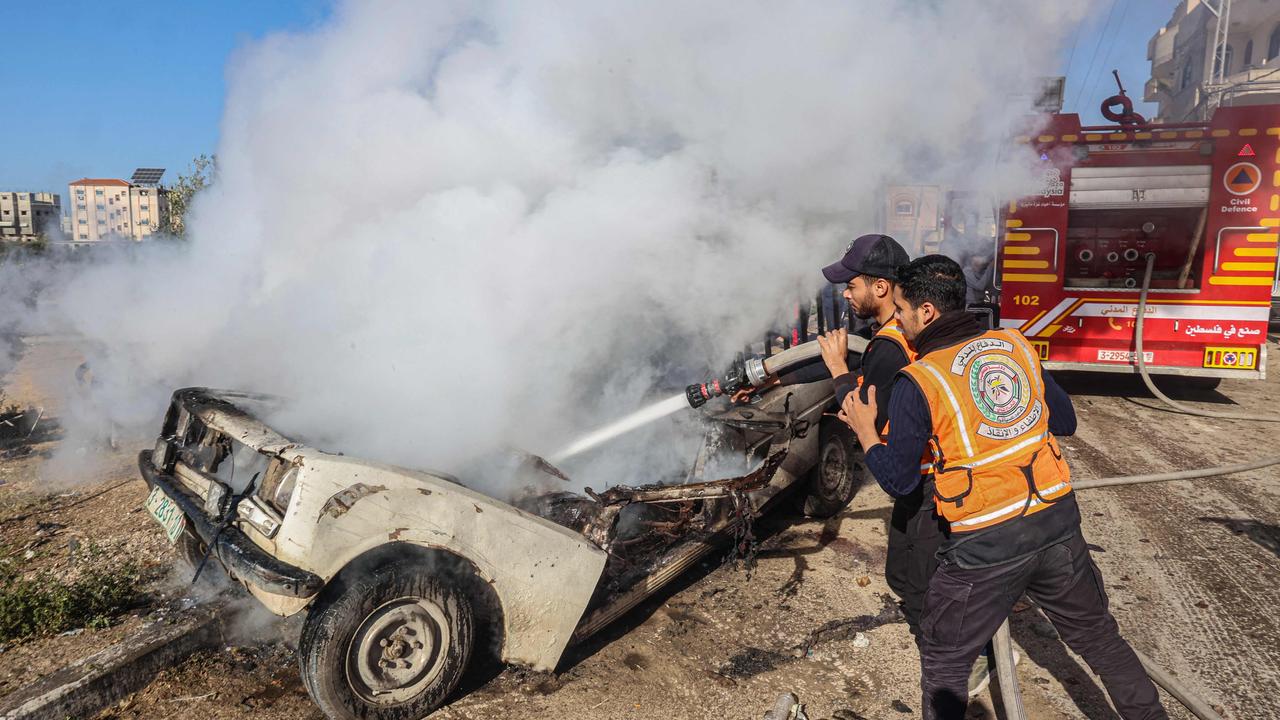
x=993, y=456
x=892, y=332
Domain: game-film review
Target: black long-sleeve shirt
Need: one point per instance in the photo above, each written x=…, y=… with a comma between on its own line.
x=878, y=367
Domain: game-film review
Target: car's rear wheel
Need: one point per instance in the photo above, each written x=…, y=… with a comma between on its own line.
x=839, y=473
x=386, y=644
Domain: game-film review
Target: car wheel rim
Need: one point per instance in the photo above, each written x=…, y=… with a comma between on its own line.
x=835, y=468
x=398, y=651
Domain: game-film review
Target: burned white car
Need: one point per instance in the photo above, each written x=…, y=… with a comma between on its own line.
x=400, y=570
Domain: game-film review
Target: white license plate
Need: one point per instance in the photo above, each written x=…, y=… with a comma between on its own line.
x=167, y=513
x=1128, y=356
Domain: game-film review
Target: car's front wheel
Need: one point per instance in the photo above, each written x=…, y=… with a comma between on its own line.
x=387, y=644
x=839, y=474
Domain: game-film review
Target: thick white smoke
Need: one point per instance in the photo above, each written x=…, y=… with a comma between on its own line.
x=445, y=227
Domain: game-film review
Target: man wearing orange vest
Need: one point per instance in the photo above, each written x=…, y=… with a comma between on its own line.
x=868, y=270
x=981, y=405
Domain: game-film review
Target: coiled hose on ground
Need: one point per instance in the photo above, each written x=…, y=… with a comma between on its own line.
x=1197, y=706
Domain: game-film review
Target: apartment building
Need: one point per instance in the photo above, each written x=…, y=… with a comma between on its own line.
x=28, y=216
x=112, y=209
x=1213, y=53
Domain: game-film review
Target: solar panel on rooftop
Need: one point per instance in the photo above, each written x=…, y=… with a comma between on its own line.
x=147, y=176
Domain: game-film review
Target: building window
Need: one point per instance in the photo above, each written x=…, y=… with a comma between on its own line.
x=1273, y=45
x=1186, y=75
x=904, y=207
x=1248, y=54
x=97, y=192
x=24, y=212
x=84, y=236
x=144, y=221
x=81, y=206
x=82, y=221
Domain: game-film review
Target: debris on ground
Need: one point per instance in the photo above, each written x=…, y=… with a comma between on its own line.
x=786, y=707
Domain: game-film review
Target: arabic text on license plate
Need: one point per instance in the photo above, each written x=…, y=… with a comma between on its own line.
x=167, y=513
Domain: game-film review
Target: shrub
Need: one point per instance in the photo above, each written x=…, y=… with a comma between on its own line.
x=48, y=602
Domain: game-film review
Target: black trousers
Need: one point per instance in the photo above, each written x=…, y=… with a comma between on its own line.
x=964, y=608
x=915, y=532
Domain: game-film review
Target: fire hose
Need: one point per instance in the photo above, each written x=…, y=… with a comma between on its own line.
x=755, y=370
x=1003, y=650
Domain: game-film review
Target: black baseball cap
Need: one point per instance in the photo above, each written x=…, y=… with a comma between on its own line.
x=875, y=255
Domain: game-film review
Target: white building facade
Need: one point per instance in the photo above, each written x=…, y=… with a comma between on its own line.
x=1213, y=53
x=112, y=209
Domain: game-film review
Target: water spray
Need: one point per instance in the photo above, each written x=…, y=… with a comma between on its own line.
x=743, y=372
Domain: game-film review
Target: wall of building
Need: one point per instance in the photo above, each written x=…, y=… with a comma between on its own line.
x=148, y=206
x=27, y=216
x=110, y=209
x=1183, y=64
x=910, y=215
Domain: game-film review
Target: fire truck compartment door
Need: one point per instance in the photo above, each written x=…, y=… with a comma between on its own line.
x=1102, y=188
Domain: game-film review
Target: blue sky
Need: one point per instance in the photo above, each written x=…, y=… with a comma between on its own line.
x=1114, y=38
x=163, y=103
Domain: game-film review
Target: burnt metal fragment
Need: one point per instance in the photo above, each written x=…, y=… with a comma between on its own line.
x=341, y=502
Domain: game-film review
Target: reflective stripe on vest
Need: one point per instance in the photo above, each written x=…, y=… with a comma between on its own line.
x=892, y=331
x=990, y=424
x=1007, y=509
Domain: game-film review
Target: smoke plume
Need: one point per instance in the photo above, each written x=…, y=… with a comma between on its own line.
x=446, y=227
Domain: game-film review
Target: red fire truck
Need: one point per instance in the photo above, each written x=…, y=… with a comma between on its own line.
x=1204, y=198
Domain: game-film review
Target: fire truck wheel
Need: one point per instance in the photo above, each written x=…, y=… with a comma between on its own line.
x=386, y=644
x=835, y=479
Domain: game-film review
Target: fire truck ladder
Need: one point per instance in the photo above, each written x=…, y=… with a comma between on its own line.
x=1223, y=13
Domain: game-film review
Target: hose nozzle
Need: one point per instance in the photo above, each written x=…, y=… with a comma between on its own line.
x=731, y=382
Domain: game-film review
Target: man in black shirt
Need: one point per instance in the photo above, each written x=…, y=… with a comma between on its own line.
x=869, y=271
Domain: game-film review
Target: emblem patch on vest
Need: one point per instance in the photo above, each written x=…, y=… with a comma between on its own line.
x=976, y=347
x=1000, y=392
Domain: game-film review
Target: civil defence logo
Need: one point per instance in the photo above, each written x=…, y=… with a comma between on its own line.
x=1242, y=178
x=999, y=388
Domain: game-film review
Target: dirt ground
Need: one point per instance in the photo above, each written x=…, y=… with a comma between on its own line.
x=1191, y=567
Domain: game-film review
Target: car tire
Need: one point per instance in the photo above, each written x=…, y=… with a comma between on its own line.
x=838, y=474
x=191, y=549
x=390, y=643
